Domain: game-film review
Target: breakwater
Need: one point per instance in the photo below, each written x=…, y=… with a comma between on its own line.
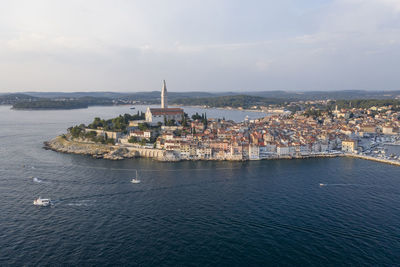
x=387, y=161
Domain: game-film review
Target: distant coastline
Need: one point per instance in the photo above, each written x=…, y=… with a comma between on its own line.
x=220, y=108
x=50, y=104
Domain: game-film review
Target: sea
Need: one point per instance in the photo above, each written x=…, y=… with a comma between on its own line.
x=311, y=212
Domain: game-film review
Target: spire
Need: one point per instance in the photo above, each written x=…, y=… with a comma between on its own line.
x=164, y=101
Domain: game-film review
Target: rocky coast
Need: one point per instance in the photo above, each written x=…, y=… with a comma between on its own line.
x=97, y=150
x=81, y=147
x=118, y=152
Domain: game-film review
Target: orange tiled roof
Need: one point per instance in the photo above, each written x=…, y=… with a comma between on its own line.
x=166, y=111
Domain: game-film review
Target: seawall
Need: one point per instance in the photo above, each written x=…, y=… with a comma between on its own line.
x=387, y=161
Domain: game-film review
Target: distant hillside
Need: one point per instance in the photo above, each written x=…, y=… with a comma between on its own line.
x=236, y=101
x=324, y=95
x=219, y=99
x=53, y=95
x=154, y=96
x=25, y=101
x=10, y=99
x=50, y=104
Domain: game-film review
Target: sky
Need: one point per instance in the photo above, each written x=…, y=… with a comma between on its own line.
x=199, y=45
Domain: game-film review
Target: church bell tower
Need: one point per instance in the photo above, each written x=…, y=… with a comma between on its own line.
x=164, y=101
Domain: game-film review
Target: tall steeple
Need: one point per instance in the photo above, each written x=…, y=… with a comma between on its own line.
x=164, y=101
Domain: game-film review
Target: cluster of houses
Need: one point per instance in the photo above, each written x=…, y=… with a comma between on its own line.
x=271, y=137
x=277, y=136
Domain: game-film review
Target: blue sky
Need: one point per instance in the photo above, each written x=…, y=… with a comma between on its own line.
x=207, y=45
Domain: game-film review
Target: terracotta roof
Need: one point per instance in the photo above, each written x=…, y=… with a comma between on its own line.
x=166, y=111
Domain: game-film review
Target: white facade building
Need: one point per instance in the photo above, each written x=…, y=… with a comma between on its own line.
x=160, y=115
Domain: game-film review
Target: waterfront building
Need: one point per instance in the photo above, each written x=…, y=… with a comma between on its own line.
x=388, y=130
x=349, y=145
x=282, y=150
x=254, y=152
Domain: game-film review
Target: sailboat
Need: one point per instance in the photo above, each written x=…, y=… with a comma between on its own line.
x=135, y=180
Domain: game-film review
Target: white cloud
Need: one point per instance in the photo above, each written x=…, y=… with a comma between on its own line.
x=392, y=3
x=228, y=45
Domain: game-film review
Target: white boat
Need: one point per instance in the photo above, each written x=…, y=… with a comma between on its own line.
x=42, y=202
x=135, y=180
x=322, y=184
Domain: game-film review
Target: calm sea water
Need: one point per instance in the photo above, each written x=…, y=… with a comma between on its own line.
x=188, y=213
x=392, y=149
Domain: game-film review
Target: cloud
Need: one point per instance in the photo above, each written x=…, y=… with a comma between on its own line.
x=392, y=3
x=199, y=45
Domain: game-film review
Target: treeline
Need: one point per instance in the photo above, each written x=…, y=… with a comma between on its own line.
x=118, y=124
x=235, y=101
x=50, y=104
x=79, y=132
x=11, y=99
x=44, y=103
x=365, y=103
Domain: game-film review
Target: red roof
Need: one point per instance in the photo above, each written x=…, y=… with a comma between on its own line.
x=166, y=111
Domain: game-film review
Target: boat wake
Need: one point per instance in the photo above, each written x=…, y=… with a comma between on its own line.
x=80, y=203
x=323, y=185
x=37, y=180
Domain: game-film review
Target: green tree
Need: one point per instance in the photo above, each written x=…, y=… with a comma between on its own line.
x=133, y=139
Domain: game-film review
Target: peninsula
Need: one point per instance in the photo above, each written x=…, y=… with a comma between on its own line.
x=312, y=129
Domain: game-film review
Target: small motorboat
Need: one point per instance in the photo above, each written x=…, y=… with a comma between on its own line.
x=42, y=202
x=322, y=184
x=135, y=180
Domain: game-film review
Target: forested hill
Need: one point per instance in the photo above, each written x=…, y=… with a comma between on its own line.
x=236, y=101
x=153, y=96
x=10, y=99
x=44, y=103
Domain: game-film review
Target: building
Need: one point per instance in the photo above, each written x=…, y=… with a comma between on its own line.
x=160, y=115
x=349, y=145
x=164, y=97
x=105, y=134
x=388, y=130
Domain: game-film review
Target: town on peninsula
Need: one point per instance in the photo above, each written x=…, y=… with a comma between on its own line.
x=168, y=134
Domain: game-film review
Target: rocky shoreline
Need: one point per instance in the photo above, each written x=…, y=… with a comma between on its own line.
x=113, y=152
x=60, y=144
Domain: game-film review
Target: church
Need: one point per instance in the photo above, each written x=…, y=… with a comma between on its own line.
x=156, y=115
